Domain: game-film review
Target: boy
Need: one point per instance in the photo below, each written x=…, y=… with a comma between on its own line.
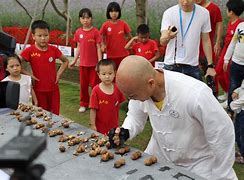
x=141, y=45
x=105, y=99
x=234, y=10
x=42, y=58
x=237, y=105
x=88, y=48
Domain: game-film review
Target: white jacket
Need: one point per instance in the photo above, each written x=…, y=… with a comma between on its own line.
x=236, y=46
x=192, y=130
x=238, y=104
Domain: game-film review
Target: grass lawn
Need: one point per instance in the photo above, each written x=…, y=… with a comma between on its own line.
x=70, y=106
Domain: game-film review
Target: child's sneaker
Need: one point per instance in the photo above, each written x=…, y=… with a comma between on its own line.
x=224, y=104
x=222, y=97
x=82, y=109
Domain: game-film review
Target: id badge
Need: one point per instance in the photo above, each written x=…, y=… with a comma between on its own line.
x=181, y=52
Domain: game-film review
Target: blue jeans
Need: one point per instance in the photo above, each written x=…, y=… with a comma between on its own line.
x=239, y=131
x=193, y=71
x=236, y=77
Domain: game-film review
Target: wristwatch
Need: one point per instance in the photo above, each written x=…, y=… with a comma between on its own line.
x=210, y=66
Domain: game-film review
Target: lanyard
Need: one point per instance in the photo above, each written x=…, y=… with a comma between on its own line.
x=181, y=25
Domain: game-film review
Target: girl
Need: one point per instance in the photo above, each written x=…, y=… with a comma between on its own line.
x=115, y=34
x=88, y=48
x=13, y=69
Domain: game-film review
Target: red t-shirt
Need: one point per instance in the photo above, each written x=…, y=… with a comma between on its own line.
x=115, y=38
x=43, y=65
x=146, y=50
x=88, y=46
x=215, y=17
x=107, y=107
x=230, y=31
x=229, y=34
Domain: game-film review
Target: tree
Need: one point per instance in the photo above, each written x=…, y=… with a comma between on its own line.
x=141, y=11
x=64, y=14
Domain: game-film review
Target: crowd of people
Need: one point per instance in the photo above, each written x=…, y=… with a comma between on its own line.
x=189, y=126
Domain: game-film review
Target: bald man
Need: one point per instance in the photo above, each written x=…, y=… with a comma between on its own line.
x=189, y=127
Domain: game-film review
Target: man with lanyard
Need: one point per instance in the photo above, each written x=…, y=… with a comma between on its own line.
x=182, y=27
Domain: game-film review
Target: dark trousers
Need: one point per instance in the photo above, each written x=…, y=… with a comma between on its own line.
x=239, y=131
x=193, y=71
x=236, y=77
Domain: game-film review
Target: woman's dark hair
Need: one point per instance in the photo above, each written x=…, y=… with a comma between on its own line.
x=85, y=11
x=236, y=6
x=113, y=6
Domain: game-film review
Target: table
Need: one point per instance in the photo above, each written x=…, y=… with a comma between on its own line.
x=66, y=166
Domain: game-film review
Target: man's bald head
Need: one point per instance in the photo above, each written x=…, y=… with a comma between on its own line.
x=134, y=76
x=135, y=68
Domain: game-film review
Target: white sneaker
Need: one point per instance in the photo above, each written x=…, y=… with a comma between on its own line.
x=224, y=104
x=82, y=109
x=222, y=97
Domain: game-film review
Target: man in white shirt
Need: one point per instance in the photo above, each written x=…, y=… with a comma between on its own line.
x=182, y=53
x=189, y=127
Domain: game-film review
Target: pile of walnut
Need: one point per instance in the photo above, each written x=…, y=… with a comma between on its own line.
x=94, y=145
x=35, y=113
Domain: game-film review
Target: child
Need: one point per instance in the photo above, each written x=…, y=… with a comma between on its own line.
x=105, y=99
x=237, y=105
x=235, y=53
x=42, y=58
x=234, y=10
x=216, y=31
x=143, y=46
x=115, y=34
x=13, y=69
x=88, y=48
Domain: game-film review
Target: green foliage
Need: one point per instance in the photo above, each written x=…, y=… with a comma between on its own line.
x=57, y=22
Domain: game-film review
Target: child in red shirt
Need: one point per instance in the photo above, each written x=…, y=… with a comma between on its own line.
x=141, y=45
x=115, y=33
x=105, y=99
x=88, y=48
x=217, y=30
x=234, y=10
x=42, y=58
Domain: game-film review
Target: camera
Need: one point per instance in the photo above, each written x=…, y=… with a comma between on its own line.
x=20, y=151
x=9, y=91
x=9, y=96
x=173, y=29
x=7, y=44
x=7, y=48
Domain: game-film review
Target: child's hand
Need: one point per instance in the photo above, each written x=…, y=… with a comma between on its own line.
x=71, y=65
x=225, y=66
x=93, y=127
x=35, y=103
x=57, y=78
x=234, y=96
x=35, y=78
x=135, y=38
